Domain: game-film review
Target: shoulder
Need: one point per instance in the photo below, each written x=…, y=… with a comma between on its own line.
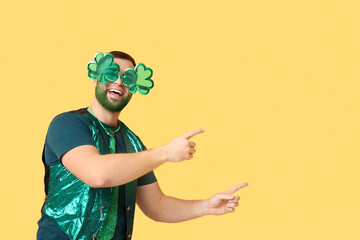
x=127, y=129
x=70, y=122
x=66, y=131
x=134, y=135
x=69, y=118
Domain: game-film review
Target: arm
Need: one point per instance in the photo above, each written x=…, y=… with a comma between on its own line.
x=162, y=208
x=96, y=170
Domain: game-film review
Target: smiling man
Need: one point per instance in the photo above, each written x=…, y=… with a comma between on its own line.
x=96, y=168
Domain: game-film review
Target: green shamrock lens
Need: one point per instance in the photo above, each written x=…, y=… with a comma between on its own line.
x=138, y=79
x=103, y=68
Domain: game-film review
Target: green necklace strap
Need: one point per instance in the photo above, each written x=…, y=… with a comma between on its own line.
x=105, y=129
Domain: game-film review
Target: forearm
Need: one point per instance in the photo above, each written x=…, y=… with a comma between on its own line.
x=97, y=171
x=173, y=210
x=118, y=169
x=162, y=208
x=111, y=169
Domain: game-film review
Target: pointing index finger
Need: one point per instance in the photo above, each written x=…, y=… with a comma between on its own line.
x=236, y=188
x=192, y=133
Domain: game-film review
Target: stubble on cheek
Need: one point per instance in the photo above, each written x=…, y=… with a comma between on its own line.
x=112, y=105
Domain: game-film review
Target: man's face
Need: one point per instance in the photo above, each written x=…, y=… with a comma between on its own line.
x=114, y=96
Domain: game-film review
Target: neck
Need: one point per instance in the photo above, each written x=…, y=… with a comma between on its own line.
x=103, y=114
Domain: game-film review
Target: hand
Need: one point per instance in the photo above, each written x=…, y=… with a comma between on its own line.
x=225, y=202
x=181, y=148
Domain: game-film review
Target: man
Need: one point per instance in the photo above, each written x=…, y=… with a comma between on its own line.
x=96, y=168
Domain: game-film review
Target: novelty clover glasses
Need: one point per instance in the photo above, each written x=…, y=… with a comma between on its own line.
x=105, y=69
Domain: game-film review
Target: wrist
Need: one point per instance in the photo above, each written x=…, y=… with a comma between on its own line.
x=161, y=155
x=202, y=208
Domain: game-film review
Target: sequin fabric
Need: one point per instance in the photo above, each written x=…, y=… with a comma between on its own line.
x=79, y=210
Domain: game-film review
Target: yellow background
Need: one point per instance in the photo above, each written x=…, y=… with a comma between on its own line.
x=275, y=84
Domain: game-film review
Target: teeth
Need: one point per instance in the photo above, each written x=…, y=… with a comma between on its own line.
x=115, y=91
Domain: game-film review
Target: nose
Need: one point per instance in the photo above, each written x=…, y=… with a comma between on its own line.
x=119, y=81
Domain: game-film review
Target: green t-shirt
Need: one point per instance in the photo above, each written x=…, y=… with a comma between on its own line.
x=68, y=131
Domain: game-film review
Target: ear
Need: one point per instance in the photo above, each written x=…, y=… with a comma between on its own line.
x=95, y=82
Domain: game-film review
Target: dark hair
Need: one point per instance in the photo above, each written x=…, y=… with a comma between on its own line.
x=122, y=55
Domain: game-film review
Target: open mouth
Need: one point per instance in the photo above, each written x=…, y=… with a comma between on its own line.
x=115, y=93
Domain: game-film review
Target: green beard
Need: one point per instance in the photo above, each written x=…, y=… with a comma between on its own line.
x=116, y=106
